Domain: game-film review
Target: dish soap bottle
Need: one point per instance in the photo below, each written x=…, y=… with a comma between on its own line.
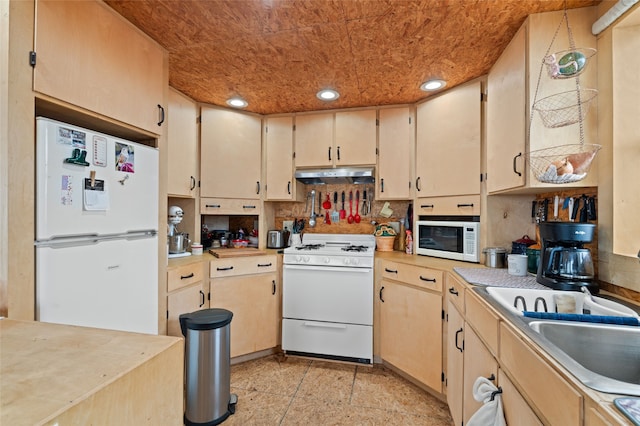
x=409, y=242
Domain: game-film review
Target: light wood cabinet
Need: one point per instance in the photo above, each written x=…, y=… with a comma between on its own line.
x=230, y=206
x=395, y=147
x=335, y=139
x=462, y=205
x=279, y=170
x=249, y=288
x=448, y=137
x=411, y=322
x=186, y=292
x=478, y=362
x=91, y=57
x=511, y=90
x=455, y=362
x=553, y=397
x=230, y=154
x=516, y=409
x=182, y=144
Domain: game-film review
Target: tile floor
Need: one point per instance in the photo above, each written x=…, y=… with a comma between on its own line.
x=294, y=391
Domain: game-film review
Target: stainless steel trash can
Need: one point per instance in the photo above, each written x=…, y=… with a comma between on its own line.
x=207, y=365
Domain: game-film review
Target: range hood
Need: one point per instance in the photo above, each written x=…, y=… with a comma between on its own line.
x=343, y=175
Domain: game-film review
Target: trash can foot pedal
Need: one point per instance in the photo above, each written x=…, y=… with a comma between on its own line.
x=233, y=400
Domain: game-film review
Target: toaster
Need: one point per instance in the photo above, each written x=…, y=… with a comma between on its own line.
x=277, y=239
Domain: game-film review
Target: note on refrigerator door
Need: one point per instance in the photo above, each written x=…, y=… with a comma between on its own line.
x=100, y=151
x=95, y=195
x=66, y=190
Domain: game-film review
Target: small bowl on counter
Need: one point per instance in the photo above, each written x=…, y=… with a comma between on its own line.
x=239, y=243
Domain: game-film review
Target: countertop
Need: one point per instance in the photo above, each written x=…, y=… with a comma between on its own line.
x=77, y=375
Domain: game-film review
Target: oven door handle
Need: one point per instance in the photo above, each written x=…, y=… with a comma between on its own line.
x=327, y=268
x=324, y=325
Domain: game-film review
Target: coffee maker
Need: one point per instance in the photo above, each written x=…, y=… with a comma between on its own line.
x=565, y=263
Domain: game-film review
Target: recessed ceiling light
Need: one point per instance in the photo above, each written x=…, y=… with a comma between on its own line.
x=328, y=95
x=431, y=85
x=237, y=102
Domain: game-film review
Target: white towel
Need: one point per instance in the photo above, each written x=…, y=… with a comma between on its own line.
x=490, y=414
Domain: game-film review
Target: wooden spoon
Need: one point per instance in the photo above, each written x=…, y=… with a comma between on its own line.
x=357, y=217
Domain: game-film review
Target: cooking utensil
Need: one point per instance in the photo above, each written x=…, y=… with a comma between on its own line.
x=343, y=212
x=335, y=216
x=327, y=203
x=495, y=257
x=312, y=218
x=357, y=216
x=364, y=203
x=576, y=207
x=350, y=218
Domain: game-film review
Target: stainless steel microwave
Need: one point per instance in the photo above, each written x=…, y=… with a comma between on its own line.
x=449, y=237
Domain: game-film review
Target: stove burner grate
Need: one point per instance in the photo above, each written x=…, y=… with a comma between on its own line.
x=310, y=247
x=355, y=248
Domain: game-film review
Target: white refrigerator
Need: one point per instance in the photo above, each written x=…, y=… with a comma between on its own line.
x=96, y=229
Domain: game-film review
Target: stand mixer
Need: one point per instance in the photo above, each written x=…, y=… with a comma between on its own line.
x=565, y=263
x=178, y=241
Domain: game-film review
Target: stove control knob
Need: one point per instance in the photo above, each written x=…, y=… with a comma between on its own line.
x=355, y=261
x=298, y=259
x=326, y=260
x=306, y=259
x=347, y=261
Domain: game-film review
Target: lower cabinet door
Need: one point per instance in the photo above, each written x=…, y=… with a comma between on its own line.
x=253, y=300
x=183, y=301
x=411, y=331
x=455, y=363
x=516, y=409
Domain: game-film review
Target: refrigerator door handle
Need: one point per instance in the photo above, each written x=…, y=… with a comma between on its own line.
x=90, y=239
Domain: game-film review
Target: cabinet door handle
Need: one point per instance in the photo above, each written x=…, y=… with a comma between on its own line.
x=453, y=291
x=257, y=187
x=431, y=280
x=492, y=377
x=381, y=185
x=338, y=153
x=514, y=164
x=329, y=153
x=289, y=187
x=426, y=206
x=391, y=271
x=418, y=184
x=248, y=207
x=380, y=294
x=465, y=205
x=264, y=265
x=457, y=346
x=193, y=183
x=212, y=206
x=184, y=277
x=202, y=302
x=225, y=269
x=273, y=287
x=161, y=110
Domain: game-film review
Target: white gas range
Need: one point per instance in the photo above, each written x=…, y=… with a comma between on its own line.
x=328, y=297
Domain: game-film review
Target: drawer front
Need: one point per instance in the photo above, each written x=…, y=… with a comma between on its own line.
x=242, y=266
x=229, y=206
x=418, y=276
x=455, y=291
x=328, y=338
x=466, y=205
x=555, y=399
x=184, y=276
x=482, y=320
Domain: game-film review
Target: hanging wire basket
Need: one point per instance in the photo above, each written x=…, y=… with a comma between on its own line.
x=568, y=63
x=563, y=109
x=562, y=164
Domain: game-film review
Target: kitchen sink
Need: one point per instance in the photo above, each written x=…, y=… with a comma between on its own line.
x=604, y=357
x=517, y=300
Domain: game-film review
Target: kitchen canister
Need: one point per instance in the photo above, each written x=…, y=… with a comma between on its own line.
x=517, y=264
x=494, y=257
x=196, y=249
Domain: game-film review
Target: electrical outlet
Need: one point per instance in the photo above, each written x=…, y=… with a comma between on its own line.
x=288, y=224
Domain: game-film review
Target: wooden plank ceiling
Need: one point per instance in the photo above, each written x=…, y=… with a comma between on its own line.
x=277, y=54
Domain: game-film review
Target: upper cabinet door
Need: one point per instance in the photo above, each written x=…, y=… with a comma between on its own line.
x=314, y=140
x=355, y=142
x=448, y=143
x=231, y=154
x=278, y=145
x=182, y=144
x=91, y=57
x=395, y=142
x=506, y=116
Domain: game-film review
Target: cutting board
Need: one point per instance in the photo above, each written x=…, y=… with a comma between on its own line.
x=239, y=252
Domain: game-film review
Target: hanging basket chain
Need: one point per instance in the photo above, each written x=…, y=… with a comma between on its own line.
x=572, y=46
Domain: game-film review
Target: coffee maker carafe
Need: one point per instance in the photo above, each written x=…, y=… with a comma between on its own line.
x=565, y=263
